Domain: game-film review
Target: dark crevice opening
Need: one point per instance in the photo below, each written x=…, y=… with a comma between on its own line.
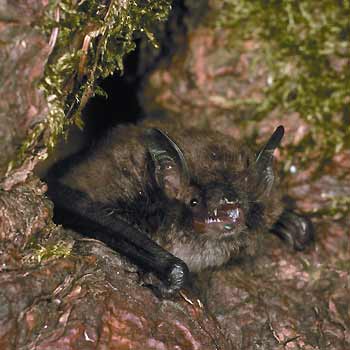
x=123, y=104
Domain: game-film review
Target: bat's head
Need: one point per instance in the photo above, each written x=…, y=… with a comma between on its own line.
x=220, y=200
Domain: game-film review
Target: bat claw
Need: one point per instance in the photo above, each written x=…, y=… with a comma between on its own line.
x=177, y=278
x=295, y=229
x=179, y=275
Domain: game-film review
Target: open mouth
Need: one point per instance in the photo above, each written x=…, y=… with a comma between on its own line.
x=225, y=218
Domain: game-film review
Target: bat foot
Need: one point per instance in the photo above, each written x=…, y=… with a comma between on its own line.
x=295, y=229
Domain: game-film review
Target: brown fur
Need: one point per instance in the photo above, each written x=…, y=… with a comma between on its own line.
x=117, y=171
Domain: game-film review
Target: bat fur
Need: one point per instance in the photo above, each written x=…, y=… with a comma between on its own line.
x=201, y=196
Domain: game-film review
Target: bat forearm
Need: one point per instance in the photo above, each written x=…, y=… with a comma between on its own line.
x=89, y=218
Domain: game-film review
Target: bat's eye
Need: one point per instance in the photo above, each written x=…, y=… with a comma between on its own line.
x=194, y=202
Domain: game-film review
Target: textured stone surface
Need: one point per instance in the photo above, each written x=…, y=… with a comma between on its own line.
x=300, y=301
x=91, y=299
x=281, y=299
x=23, y=55
x=23, y=213
x=59, y=292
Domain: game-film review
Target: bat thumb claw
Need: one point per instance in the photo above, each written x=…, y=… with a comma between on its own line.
x=176, y=279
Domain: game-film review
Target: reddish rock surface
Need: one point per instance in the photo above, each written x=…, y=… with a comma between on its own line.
x=281, y=299
x=23, y=56
x=92, y=299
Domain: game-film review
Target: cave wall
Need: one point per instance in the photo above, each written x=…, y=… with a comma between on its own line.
x=60, y=292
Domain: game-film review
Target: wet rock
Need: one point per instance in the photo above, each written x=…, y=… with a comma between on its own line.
x=92, y=299
x=89, y=297
x=281, y=299
x=23, y=56
x=23, y=213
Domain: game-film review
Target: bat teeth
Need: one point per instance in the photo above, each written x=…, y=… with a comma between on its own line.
x=212, y=219
x=234, y=214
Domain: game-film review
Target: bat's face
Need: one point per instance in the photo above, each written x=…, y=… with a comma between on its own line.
x=220, y=208
x=217, y=210
x=218, y=213
x=226, y=201
x=225, y=204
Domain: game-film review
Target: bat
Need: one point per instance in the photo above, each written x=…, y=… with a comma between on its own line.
x=175, y=200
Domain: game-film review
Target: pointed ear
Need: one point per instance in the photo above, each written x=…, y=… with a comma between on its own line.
x=170, y=167
x=264, y=162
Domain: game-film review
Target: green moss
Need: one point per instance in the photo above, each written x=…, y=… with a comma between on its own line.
x=306, y=47
x=109, y=27
x=39, y=253
x=337, y=209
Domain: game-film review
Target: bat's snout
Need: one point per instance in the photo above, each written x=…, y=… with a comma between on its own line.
x=223, y=219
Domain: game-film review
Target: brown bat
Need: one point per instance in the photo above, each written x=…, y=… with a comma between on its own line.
x=175, y=200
